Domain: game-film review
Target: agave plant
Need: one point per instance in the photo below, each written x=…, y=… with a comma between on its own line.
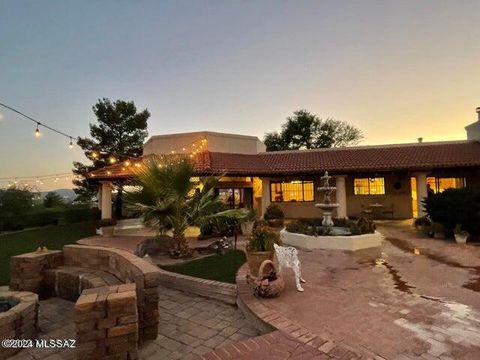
x=167, y=199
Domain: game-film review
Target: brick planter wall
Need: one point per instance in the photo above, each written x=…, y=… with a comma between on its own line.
x=211, y=289
x=27, y=271
x=20, y=322
x=106, y=320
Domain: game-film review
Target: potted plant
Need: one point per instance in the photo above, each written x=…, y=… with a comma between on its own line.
x=247, y=223
x=460, y=235
x=107, y=226
x=274, y=215
x=424, y=225
x=260, y=248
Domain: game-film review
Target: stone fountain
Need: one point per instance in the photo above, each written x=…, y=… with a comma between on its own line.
x=327, y=206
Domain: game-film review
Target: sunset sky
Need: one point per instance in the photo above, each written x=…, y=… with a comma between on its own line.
x=395, y=69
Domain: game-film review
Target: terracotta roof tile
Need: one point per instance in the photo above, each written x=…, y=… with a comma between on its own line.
x=410, y=157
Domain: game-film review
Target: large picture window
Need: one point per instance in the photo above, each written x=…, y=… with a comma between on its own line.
x=440, y=184
x=288, y=191
x=369, y=186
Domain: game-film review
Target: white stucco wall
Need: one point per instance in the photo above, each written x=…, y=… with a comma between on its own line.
x=216, y=142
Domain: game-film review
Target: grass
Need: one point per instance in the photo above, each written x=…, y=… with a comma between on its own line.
x=217, y=267
x=53, y=237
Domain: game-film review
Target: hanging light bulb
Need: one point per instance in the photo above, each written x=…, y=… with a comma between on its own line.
x=94, y=154
x=112, y=160
x=71, y=144
x=37, y=131
x=127, y=163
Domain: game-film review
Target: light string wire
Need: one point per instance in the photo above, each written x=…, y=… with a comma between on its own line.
x=186, y=148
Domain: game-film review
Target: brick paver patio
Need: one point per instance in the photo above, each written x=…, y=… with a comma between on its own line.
x=388, y=303
x=413, y=298
x=190, y=325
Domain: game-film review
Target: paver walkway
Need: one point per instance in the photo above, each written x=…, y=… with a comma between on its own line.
x=189, y=325
x=391, y=303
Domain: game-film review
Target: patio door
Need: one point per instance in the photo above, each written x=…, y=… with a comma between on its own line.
x=236, y=198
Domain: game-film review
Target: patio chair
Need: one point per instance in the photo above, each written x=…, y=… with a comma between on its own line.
x=367, y=211
x=388, y=210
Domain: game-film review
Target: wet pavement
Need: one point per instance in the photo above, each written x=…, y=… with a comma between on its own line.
x=412, y=298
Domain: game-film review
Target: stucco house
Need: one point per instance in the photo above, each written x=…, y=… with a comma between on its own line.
x=390, y=179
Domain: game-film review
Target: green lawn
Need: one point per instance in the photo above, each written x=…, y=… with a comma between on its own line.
x=53, y=237
x=217, y=267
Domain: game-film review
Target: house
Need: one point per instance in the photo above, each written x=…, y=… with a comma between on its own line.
x=390, y=179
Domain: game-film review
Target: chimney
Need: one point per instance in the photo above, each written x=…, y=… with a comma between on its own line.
x=473, y=130
x=420, y=140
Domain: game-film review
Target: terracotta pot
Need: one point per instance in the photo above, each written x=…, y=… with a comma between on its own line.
x=247, y=228
x=275, y=222
x=256, y=258
x=107, y=231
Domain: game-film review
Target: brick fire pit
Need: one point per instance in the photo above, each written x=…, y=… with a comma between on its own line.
x=18, y=318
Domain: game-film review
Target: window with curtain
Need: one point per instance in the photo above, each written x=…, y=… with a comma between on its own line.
x=369, y=186
x=290, y=191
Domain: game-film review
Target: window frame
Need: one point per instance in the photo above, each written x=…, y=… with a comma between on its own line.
x=369, y=188
x=303, y=181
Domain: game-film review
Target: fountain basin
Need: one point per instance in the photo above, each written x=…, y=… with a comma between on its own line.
x=332, y=242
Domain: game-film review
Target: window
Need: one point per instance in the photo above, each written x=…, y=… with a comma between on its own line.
x=369, y=186
x=441, y=184
x=289, y=191
x=235, y=197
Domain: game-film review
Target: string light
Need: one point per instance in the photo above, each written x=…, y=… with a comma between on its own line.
x=71, y=144
x=37, y=131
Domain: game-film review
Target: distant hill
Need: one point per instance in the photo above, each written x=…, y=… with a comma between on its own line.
x=67, y=194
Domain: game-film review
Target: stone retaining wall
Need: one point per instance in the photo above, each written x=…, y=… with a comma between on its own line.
x=211, y=289
x=20, y=322
x=106, y=320
x=27, y=271
x=128, y=268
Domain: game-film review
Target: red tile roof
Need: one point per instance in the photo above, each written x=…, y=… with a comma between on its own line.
x=407, y=157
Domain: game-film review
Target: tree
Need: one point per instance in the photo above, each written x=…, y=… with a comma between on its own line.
x=167, y=199
x=304, y=130
x=15, y=201
x=119, y=134
x=52, y=199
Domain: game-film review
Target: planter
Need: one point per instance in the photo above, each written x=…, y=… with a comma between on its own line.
x=275, y=222
x=461, y=238
x=107, y=231
x=247, y=228
x=256, y=258
x=268, y=284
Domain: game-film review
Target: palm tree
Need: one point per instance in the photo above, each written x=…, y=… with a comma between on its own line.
x=167, y=199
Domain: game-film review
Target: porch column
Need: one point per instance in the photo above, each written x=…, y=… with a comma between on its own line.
x=421, y=179
x=99, y=197
x=106, y=208
x=341, y=196
x=265, y=194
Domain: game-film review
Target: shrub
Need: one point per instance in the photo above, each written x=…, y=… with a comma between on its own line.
x=42, y=217
x=262, y=239
x=456, y=206
x=314, y=227
x=273, y=212
x=362, y=226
